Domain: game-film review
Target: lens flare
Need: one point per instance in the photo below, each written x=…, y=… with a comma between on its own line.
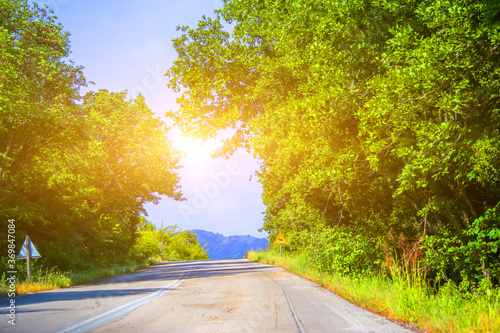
x=193, y=150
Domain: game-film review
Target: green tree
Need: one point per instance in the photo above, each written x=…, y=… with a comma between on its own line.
x=374, y=116
x=95, y=189
x=38, y=91
x=124, y=162
x=74, y=172
x=168, y=243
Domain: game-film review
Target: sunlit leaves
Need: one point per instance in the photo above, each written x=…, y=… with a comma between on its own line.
x=167, y=243
x=380, y=116
x=74, y=172
x=38, y=93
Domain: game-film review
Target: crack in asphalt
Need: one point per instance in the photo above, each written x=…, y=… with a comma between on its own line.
x=290, y=306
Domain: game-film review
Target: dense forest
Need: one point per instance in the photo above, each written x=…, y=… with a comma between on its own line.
x=377, y=123
x=76, y=171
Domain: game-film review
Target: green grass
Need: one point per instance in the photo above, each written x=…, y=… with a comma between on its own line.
x=403, y=296
x=47, y=279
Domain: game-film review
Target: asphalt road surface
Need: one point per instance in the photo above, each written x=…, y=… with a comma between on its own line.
x=194, y=296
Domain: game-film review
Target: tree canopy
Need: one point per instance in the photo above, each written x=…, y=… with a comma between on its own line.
x=372, y=118
x=75, y=171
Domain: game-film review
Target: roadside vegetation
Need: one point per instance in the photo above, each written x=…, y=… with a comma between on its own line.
x=402, y=293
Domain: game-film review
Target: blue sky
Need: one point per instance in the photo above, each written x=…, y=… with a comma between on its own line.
x=126, y=45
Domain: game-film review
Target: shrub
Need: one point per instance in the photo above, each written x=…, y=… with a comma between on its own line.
x=342, y=251
x=167, y=243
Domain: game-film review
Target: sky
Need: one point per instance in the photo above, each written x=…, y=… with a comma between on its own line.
x=126, y=45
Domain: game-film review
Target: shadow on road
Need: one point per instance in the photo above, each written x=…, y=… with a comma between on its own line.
x=128, y=284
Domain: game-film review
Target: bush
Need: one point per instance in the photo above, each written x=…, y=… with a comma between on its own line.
x=184, y=246
x=342, y=251
x=473, y=255
x=167, y=243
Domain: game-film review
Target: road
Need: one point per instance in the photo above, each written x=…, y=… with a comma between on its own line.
x=194, y=296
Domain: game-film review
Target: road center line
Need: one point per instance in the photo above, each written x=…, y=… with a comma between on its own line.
x=125, y=308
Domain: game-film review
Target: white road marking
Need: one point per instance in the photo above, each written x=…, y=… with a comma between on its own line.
x=93, y=322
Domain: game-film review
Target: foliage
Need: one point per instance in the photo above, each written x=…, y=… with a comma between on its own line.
x=342, y=251
x=471, y=256
x=376, y=117
x=38, y=92
x=75, y=172
x=167, y=243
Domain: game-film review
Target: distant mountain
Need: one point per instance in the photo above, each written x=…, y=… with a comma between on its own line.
x=232, y=247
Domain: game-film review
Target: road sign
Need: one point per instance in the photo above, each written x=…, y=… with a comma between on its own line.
x=280, y=239
x=28, y=252
x=33, y=252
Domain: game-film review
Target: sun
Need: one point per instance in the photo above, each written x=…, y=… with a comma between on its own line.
x=193, y=150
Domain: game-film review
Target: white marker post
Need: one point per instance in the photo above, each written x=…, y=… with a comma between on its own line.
x=28, y=257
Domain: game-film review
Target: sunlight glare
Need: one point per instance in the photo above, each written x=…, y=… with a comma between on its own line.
x=193, y=149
